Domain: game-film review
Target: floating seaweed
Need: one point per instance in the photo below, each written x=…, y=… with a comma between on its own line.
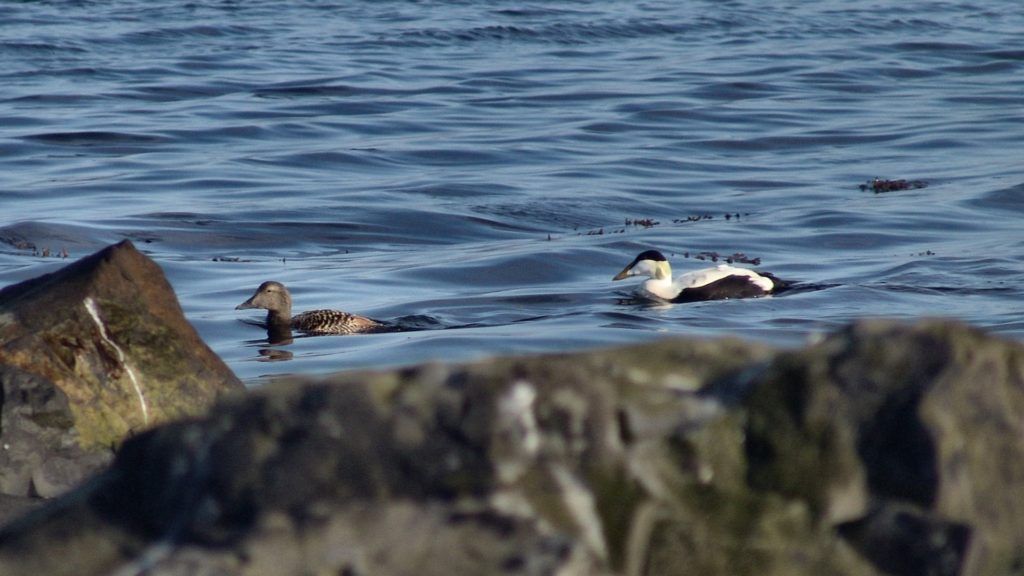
x=645, y=223
x=642, y=222
x=881, y=185
x=735, y=258
x=697, y=218
x=229, y=259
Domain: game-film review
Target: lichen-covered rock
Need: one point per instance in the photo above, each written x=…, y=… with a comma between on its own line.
x=884, y=449
x=88, y=355
x=910, y=442
x=534, y=466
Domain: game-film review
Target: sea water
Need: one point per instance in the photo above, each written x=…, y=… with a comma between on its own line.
x=487, y=167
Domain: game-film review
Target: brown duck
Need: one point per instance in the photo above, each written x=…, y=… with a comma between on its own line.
x=275, y=299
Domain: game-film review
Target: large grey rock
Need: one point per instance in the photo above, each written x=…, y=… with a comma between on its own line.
x=909, y=441
x=88, y=355
x=884, y=449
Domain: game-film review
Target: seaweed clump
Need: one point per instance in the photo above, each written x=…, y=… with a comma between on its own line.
x=882, y=185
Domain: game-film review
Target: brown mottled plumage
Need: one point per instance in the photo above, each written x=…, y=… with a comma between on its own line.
x=275, y=299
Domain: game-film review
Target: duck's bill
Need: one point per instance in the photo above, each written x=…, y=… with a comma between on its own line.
x=624, y=274
x=245, y=305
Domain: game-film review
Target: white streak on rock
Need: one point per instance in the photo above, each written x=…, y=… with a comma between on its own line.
x=90, y=306
x=518, y=439
x=145, y=562
x=580, y=502
x=515, y=413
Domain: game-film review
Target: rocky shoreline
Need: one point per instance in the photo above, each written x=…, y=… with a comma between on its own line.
x=130, y=448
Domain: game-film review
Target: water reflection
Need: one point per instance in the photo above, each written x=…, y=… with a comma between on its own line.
x=279, y=335
x=275, y=354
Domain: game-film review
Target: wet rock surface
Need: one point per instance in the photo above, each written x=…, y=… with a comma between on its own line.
x=90, y=354
x=883, y=449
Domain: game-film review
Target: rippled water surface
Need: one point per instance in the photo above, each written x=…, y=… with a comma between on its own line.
x=491, y=165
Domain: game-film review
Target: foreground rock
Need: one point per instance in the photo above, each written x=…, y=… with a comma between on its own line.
x=884, y=449
x=88, y=355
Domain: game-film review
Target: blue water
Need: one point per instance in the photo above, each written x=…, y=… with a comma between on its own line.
x=476, y=162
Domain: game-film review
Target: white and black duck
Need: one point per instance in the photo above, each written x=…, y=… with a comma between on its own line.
x=718, y=283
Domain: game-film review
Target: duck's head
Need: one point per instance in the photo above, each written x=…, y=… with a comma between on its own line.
x=272, y=296
x=650, y=263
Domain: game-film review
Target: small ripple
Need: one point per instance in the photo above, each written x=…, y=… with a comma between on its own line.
x=457, y=190
x=570, y=33
x=94, y=138
x=55, y=237
x=735, y=90
x=931, y=48
x=1008, y=201
x=447, y=157
x=326, y=160
x=328, y=89
x=1002, y=67
x=166, y=92
x=176, y=34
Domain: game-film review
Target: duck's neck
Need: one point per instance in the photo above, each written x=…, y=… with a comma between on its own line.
x=661, y=287
x=660, y=283
x=279, y=334
x=279, y=318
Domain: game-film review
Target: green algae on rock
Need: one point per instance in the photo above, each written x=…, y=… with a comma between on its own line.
x=92, y=353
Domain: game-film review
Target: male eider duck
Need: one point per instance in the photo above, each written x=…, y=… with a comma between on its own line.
x=275, y=299
x=716, y=283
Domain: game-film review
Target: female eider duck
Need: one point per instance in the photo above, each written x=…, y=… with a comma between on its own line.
x=717, y=283
x=275, y=299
